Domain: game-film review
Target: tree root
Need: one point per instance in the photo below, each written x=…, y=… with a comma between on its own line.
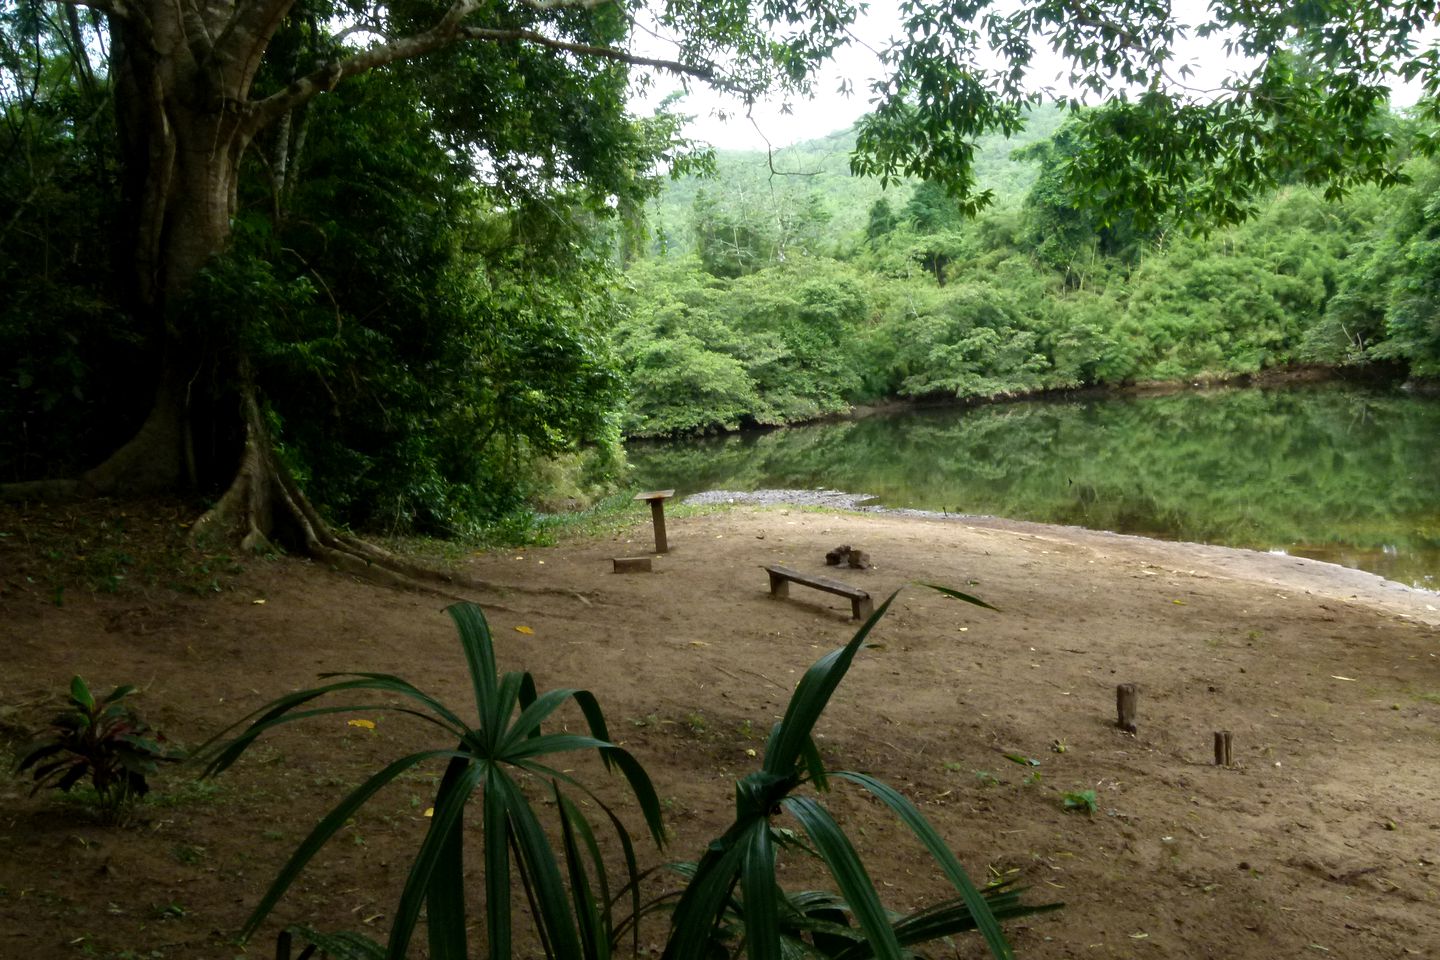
x=264, y=503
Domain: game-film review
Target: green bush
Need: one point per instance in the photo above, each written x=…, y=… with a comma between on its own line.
x=103, y=739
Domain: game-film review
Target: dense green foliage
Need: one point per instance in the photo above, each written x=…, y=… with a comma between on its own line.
x=1037, y=294
x=427, y=343
x=417, y=372
x=399, y=240
x=67, y=346
x=732, y=901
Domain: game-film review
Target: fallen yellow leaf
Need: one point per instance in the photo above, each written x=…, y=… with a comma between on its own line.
x=257, y=601
x=429, y=811
x=525, y=630
x=362, y=724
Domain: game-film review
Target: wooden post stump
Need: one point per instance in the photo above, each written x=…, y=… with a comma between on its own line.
x=1125, y=697
x=1222, y=748
x=656, y=499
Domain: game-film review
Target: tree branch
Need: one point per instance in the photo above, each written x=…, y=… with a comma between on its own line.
x=704, y=72
x=445, y=33
x=246, y=36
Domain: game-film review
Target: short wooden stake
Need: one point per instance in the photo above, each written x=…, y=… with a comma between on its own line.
x=631, y=564
x=1125, y=697
x=1222, y=748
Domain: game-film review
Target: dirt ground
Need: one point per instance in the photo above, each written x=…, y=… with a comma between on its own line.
x=1323, y=839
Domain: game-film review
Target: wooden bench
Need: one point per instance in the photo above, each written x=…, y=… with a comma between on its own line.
x=861, y=606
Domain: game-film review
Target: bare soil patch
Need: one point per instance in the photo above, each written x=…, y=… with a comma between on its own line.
x=1322, y=840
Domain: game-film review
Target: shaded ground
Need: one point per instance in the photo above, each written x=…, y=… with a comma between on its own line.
x=1323, y=840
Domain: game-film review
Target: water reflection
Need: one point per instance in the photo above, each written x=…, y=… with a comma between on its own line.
x=1332, y=472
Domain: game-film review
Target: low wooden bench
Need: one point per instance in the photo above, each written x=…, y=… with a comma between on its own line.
x=861, y=606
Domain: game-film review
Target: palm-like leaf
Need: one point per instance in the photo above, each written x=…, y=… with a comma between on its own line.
x=776, y=926
x=506, y=738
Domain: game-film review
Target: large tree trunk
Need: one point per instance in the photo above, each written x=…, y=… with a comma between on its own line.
x=181, y=148
x=182, y=137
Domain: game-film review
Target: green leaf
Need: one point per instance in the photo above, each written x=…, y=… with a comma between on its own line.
x=960, y=596
x=222, y=756
x=574, y=830
x=528, y=723
x=944, y=856
x=541, y=870
x=326, y=828
x=495, y=715
x=340, y=946
x=849, y=873
x=757, y=886
x=552, y=743
x=594, y=718
x=812, y=696
x=814, y=765
x=497, y=866
x=278, y=711
x=119, y=693
x=450, y=803
x=445, y=890
x=80, y=693
x=698, y=913
x=479, y=650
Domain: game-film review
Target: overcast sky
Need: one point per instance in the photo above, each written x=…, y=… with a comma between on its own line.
x=721, y=119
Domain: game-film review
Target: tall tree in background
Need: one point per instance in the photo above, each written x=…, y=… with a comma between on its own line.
x=531, y=94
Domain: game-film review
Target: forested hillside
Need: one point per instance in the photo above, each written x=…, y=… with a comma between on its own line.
x=815, y=174
x=774, y=297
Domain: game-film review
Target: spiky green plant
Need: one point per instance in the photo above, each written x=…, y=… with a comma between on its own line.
x=505, y=743
x=817, y=923
x=745, y=856
x=731, y=902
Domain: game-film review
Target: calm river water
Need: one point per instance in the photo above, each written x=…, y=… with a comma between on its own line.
x=1333, y=472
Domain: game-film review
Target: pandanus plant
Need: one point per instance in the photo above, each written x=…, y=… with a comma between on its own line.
x=490, y=758
x=731, y=902
x=772, y=923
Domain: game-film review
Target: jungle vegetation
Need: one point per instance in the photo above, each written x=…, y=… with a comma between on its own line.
x=770, y=298
x=360, y=264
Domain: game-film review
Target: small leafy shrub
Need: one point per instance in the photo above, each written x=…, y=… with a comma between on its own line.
x=1078, y=801
x=105, y=739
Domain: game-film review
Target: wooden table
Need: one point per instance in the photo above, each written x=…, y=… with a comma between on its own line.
x=656, y=499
